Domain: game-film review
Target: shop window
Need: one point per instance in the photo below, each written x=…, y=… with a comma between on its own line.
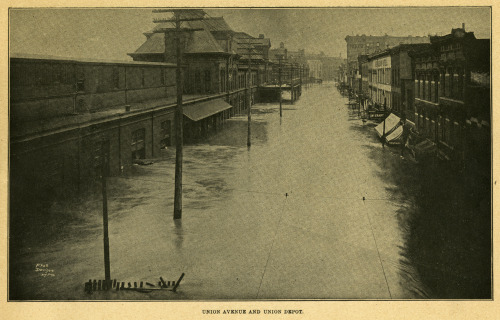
x=138, y=144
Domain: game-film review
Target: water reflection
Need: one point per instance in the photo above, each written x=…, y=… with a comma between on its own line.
x=179, y=234
x=416, y=232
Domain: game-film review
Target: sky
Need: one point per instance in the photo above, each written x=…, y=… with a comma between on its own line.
x=112, y=33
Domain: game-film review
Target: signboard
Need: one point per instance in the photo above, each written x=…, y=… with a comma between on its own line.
x=383, y=63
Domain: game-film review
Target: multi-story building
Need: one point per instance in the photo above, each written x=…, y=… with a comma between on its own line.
x=365, y=69
x=452, y=95
x=63, y=112
x=402, y=95
x=390, y=77
x=380, y=82
x=367, y=45
x=315, y=69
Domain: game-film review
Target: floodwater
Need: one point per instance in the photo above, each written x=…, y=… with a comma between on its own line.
x=314, y=209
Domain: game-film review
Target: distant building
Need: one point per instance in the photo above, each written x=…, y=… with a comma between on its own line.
x=315, y=69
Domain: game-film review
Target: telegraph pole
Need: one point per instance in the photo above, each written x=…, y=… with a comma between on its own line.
x=107, y=272
x=279, y=82
x=300, y=78
x=249, y=97
x=385, y=113
x=292, y=91
x=179, y=114
x=249, y=89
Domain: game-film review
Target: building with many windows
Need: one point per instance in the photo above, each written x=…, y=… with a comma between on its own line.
x=452, y=95
x=65, y=114
x=367, y=45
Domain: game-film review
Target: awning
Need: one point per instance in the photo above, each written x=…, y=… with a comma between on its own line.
x=202, y=110
x=395, y=135
x=391, y=122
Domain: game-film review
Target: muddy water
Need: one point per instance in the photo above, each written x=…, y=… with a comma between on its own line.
x=316, y=208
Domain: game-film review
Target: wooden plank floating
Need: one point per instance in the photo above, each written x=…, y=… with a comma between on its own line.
x=178, y=282
x=103, y=285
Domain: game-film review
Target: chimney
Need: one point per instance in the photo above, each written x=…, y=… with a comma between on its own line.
x=261, y=36
x=463, y=26
x=282, y=45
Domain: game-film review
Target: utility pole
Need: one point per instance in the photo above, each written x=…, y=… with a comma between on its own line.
x=107, y=272
x=292, y=93
x=249, y=96
x=279, y=82
x=249, y=87
x=191, y=15
x=385, y=111
x=300, y=79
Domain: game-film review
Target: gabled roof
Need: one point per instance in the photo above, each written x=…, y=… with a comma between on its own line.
x=199, y=41
x=216, y=24
x=246, y=45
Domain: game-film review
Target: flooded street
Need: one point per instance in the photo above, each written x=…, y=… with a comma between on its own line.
x=315, y=209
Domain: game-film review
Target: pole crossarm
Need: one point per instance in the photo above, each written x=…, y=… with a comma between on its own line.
x=159, y=20
x=192, y=11
x=180, y=30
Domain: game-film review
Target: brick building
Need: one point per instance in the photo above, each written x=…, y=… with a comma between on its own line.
x=452, y=95
x=64, y=111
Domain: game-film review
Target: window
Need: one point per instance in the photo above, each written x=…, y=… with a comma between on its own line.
x=143, y=80
x=166, y=133
x=450, y=83
x=460, y=86
x=424, y=87
x=222, y=81
x=429, y=89
x=197, y=81
x=436, y=87
x=162, y=76
x=99, y=149
x=138, y=144
x=80, y=85
x=208, y=81
x=116, y=78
